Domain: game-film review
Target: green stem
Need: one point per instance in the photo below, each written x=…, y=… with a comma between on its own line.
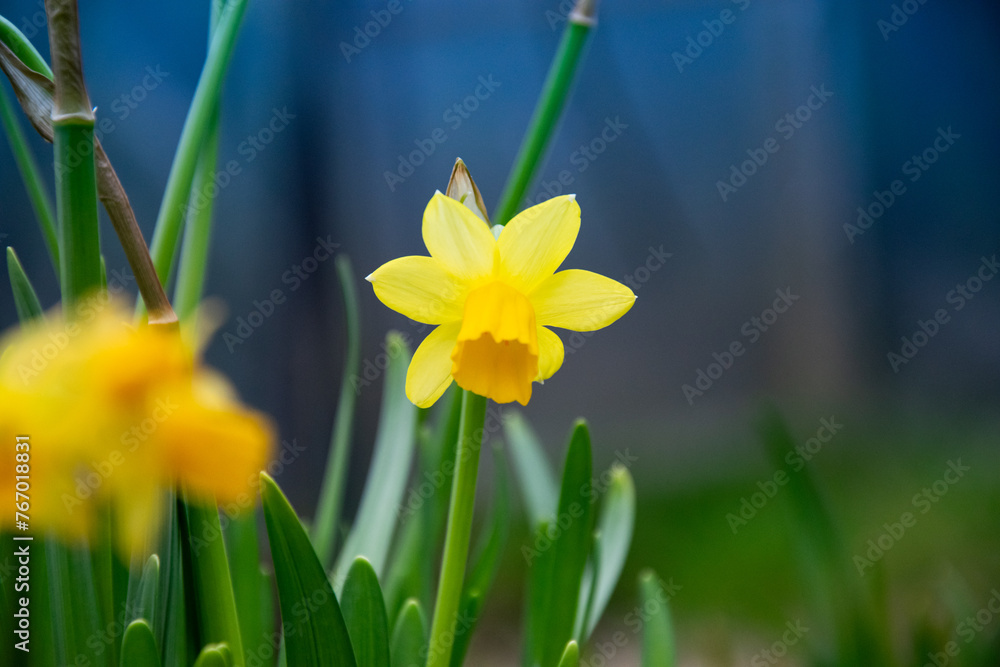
x=196, y=128
x=553, y=99
x=76, y=175
x=332, y=495
x=197, y=232
x=40, y=201
x=456, y=541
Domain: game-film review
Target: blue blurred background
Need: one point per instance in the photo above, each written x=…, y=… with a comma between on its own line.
x=720, y=152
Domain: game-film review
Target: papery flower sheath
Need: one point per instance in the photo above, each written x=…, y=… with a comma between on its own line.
x=494, y=294
x=116, y=415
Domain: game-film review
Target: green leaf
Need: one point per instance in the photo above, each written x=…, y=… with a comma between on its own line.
x=562, y=565
x=22, y=48
x=615, y=524
x=658, y=633
x=364, y=614
x=571, y=656
x=823, y=556
x=538, y=483
x=139, y=646
x=243, y=550
x=319, y=636
x=215, y=655
x=196, y=127
x=146, y=606
x=377, y=515
x=213, y=587
x=332, y=492
x=25, y=299
x=409, y=638
x=41, y=202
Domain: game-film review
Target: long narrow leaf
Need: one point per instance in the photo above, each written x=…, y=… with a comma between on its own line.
x=386, y=483
x=25, y=299
x=571, y=530
x=315, y=631
x=538, y=483
x=332, y=492
x=614, y=532
x=658, y=632
x=409, y=639
x=364, y=614
x=139, y=646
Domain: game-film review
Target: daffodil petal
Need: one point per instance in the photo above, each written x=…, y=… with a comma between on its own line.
x=580, y=300
x=421, y=289
x=429, y=373
x=550, y=353
x=537, y=240
x=458, y=239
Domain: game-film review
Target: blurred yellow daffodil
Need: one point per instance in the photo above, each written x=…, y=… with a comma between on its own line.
x=114, y=416
x=494, y=293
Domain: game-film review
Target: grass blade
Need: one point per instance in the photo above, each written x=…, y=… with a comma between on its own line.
x=364, y=614
x=538, y=483
x=376, y=520
x=139, y=646
x=570, y=656
x=215, y=655
x=318, y=637
x=615, y=524
x=658, y=649
x=40, y=201
x=409, y=638
x=25, y=299
x=243, y=550
x=196, y=126
x=332, y=492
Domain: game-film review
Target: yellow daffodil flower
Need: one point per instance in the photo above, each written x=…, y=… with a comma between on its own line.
x=494, y=295
x=115, y=415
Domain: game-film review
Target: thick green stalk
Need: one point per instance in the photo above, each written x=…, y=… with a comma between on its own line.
x=332, y=494
x=197, y=231
x=40, y=201
x=76, y=176
x=553, y=99
x=196, y=128
x=456, y=541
